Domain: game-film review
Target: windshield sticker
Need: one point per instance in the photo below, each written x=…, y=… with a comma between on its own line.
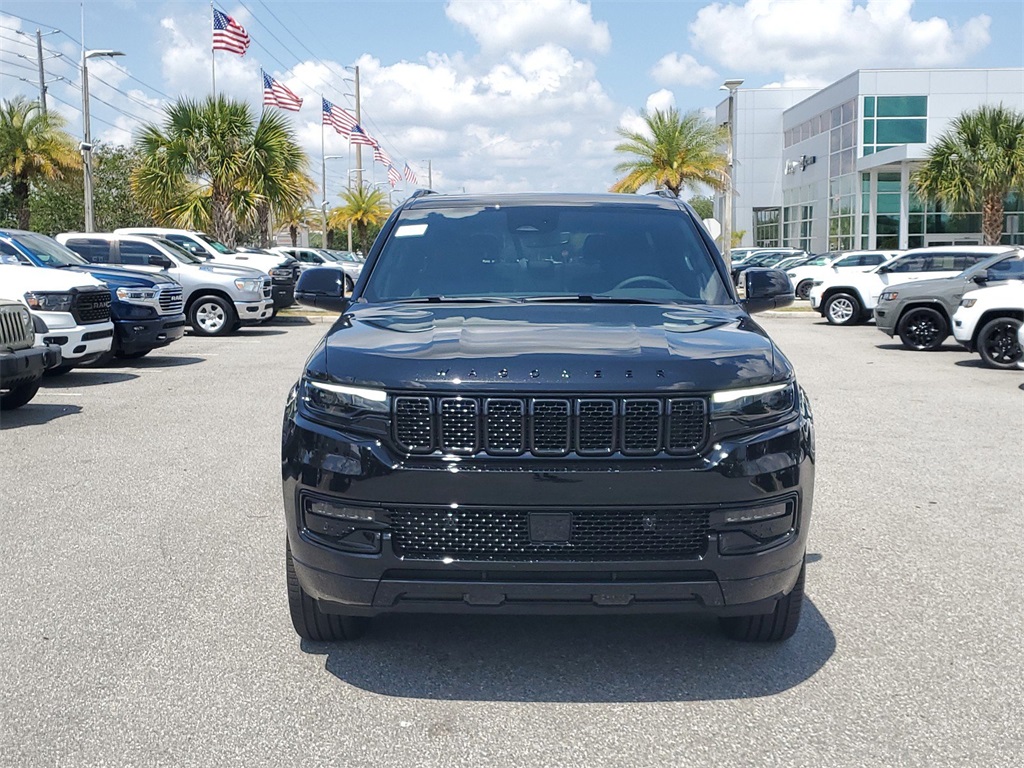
x=411, y=230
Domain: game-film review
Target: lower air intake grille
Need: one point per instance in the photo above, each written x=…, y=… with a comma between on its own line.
x=504, y=534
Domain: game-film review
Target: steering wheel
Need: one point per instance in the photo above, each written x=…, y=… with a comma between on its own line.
x=650, y=279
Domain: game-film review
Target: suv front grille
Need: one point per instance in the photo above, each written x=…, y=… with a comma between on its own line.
x=14, y=334
x=91, y=307
x=504, y=534
x=545, y=426
x=172, y=300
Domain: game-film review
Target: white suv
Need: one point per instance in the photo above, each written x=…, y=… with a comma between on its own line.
x=848, y=298
x=988, y=322
x=821, y=267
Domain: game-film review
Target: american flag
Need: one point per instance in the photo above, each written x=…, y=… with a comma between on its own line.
x=380, y=155
x=338, y=118
x=276, y=94
x=360, y=136
x=228, y=34
x=394, y=176
x=409, y=175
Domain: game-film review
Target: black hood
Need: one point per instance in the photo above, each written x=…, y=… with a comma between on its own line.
x=548, y=347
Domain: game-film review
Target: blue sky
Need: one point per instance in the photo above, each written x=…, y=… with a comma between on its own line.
x=504, y=95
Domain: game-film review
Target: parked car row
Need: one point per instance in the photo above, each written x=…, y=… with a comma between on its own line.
x=92, y=297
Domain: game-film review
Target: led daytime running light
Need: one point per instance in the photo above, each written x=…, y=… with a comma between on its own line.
x=731, y=395
x=375, y=395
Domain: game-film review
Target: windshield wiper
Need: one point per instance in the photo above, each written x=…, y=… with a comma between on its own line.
x=455, y=300
x=589, y=298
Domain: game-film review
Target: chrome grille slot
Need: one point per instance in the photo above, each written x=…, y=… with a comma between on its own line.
x=12, y=331
x=172, y=300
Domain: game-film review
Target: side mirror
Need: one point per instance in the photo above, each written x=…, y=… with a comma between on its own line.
x=982, y=277
x=159, y=260
x=322, y=288
x=884, y=269
x=761, y=289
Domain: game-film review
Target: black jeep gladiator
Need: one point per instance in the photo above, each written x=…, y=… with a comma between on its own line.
x=546, y=403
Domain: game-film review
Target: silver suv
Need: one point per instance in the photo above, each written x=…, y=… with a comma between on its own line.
x=218, y=297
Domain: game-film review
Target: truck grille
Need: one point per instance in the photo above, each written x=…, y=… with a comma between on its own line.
x=14, y=334
x=268, y=288
x=91, y=306
x=172, y=300
x=504, y=534
x=549, y=426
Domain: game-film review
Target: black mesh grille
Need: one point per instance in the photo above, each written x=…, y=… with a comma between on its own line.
x=91, y=307
x=414, y=424
x=504, y=534
x=511, y=426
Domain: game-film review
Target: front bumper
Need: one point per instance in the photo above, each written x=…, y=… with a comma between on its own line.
x=79, y=343
x=133, y=336
x=250, y=312
x=885, y=318
x=284, y=294
x=753, y=472
x=24, y=366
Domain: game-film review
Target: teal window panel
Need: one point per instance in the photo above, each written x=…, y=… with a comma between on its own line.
x=869, y=131
x=888, y=204
x=887, y=225
x=915, y=225
x=869, y=106
x=901, y=131
x=880, y=147
x=902, y=106
x=869, y=151
x=915, y=241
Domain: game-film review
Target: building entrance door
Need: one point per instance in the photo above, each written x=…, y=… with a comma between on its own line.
x=930, y=240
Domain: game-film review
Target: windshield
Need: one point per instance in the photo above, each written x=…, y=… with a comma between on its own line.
x=216, y=244
x=49, y=251
x=328, y=255
x=617, y=252
x=344, y=256
x=179, y=253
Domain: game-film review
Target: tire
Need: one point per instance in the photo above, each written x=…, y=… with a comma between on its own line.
x=59, y=370
x=102, y=361
x=803, y=289
x=997, y=343
x=18, y=396
x=211, y=316
x=309, y=621
x=772, y=627
x=350, y=285
x=843, y=309
x=923, y=329
x=133, y=355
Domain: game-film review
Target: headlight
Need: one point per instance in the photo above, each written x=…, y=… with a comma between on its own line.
x=754, y=403
x=49, y=302
x=281, y=272
x=968, y=303
x=26, y=318
x=889, y=295
x=249, y=284
x=342, y=400
x=137, y=295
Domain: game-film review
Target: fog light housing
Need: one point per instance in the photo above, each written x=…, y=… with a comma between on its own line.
x=342, y=526
x=755, y=529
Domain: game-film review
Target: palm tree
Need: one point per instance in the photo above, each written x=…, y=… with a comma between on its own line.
x=294, y=218
x=976, y=164
x=675, y=151
x=364, y=207
x=32, y=146
x=213, y=166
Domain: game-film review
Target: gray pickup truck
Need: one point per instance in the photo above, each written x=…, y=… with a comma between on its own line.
x=21, y=362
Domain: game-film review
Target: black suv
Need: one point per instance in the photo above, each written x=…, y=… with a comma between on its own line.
x=546, y=403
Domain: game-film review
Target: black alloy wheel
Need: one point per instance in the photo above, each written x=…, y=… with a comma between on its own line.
x=923, y=329
x=997, y=343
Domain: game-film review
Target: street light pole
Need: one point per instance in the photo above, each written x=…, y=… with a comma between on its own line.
x=86, y=146
x=727, y=214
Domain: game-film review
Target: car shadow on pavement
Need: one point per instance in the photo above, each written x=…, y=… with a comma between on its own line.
x=259, y=332
x=86, y=377
x=901, y=348
x=573, y=659
x=149, y=361
x=35, y=414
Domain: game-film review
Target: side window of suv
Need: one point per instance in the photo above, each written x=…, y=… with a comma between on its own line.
x=870, y=259
x=1007, y=269
x=940, y=262
x=909, y=264
x=137, y=254
x=848, y=261
x=10, y=255
x=92, y=249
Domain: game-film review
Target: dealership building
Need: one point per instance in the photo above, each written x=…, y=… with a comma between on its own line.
x=830, y=169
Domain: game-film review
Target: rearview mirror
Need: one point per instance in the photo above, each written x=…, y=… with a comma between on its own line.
x=762, y=289
x=322, y=288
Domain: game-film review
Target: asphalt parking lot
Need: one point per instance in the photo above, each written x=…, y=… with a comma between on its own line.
x=144, y=615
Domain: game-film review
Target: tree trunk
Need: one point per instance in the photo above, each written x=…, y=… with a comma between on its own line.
x=293, y=231
x=19, y=191
x=263, y=215
x=330, y=238
x=361, y=228
x=224, y=228
x=992, y=218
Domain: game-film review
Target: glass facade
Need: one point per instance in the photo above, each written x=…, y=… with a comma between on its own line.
x=767, y=227
x=893, y=120
x=798, y=214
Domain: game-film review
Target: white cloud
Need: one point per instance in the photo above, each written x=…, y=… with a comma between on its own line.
x=815, y=41
x=660, y=100
x=509, y=25
x=682, y=69
x=186, y=59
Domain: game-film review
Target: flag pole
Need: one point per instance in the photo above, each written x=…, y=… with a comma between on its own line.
x=213, y=53
x=323, y=179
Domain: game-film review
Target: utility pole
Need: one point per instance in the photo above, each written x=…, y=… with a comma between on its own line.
x=730, y=86
x=430, y=176
x=42, y=73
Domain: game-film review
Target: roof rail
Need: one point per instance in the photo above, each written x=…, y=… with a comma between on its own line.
x=663, y=193
x=421, y=193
